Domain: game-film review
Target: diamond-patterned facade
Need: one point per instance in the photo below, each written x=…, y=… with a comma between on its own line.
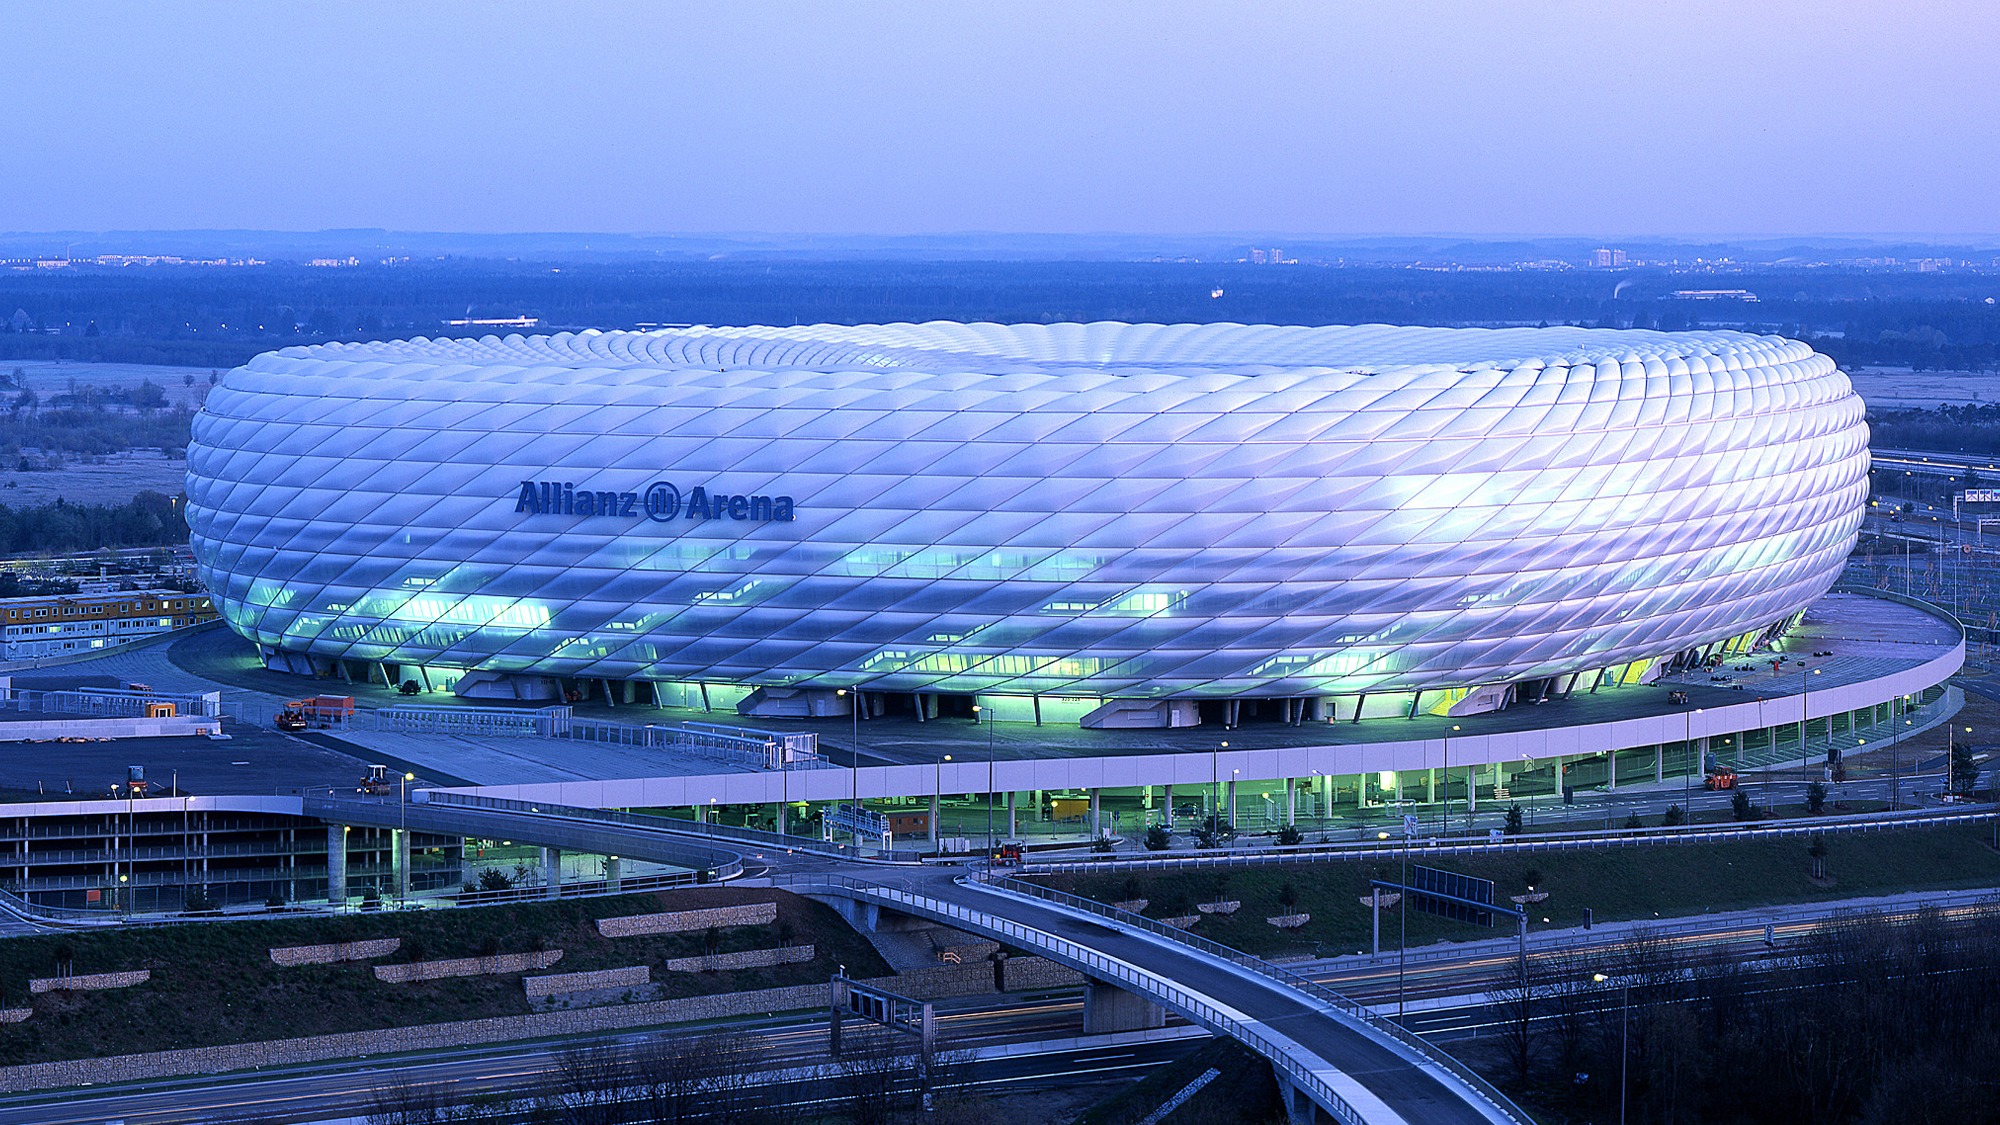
x=1078, y=509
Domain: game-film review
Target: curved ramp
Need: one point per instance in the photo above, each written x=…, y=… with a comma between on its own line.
x=1347, y=1065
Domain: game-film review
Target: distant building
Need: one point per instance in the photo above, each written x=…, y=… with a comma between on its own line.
x=1715, y=295
x=1604, y=258
x=495, y=322
x=55, y=624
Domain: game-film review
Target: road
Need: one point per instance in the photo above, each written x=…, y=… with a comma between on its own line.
x=1444, y=988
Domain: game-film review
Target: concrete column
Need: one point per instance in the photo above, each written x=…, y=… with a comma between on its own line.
x=1096, y=815
x=1611, y=772
x=1291, y=801
x=1167, y=795
x=1013, y=825
x=1471, y=790
x=614, y=873
x=1146, y=797
x=401, y=862
x=552, y=872
x=1430, y=786
x=934, y=820
x=1232, y=802
x=336, y=864
x=1034, y=804
x=1299, y=1109
x=783, y=811
x=1659, y=762
x=1107, y=1008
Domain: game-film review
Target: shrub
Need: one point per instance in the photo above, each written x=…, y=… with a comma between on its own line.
x=1513, y=826
x=1674, y=815
x=494, y=879
x=1742, y=808
x=1290, y=834
x=1159, y=838
x=1815, y=798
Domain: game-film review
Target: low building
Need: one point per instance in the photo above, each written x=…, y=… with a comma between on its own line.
x=58, y=624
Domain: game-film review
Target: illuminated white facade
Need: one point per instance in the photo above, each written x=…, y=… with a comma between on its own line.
x=1089, y=511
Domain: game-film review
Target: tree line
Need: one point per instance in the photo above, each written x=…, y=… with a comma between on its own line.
x=1864, y=1020
x=717, y=1078
x=150, y=519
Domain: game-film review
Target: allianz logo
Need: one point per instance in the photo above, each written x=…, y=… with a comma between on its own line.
x=659, y=501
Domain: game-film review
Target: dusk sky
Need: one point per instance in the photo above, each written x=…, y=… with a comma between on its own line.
x=1540, y=117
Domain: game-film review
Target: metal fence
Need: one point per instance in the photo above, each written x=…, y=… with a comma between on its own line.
x=114, y=703
x=1542, y=842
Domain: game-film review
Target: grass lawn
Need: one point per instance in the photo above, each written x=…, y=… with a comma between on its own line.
x=1615, y=883
x=214, y=982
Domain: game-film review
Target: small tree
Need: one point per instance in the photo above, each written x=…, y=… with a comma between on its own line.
x=1159, y=838
x=1632, y=821
x=1815, y=798
x=1673, y=816
x=1818, y=853
x=1288, y=898
x=1290, y=834
x=1533, y=878
x=196, y=900
x=1964, y=771
x=1513, y=827
x=494, y=879
x=1742, y=808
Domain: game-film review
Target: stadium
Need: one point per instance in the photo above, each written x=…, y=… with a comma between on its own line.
x=1119, y=525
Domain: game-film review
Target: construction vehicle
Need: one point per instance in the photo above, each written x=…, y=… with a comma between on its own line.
x=136, y=784
x=377, y=782
x=321, y=710
x=290, y=718
x=1008, y=854
x=1719, y=777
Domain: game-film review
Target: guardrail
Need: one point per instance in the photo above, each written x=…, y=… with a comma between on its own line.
x=755, y=836
x=1337, y=1002
x=1097, y=965
x=1538, y=842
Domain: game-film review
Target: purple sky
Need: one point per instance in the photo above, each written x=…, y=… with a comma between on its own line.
x=1333, y=116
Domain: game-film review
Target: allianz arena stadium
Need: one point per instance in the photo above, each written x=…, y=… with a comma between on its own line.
x=1115, y=521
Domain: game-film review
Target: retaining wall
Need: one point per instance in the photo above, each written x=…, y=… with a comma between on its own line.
x=681, y=921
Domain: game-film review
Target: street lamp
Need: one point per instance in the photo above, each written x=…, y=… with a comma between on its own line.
x=1624, y=1035
x=403, y=812
x=1444, y=755
x=989, y=773
x=1215, y=782
x=853, y=769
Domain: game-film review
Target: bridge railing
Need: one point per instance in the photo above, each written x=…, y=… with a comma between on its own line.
x=1281, y=1055
x=754, y=836
x=1588, y=839
x=1335, y=1001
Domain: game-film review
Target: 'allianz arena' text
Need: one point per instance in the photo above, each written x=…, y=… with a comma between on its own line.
x=1069, y=513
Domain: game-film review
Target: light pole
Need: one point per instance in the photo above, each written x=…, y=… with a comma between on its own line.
x=1444, y=755
x=989, y=774
x=1215, y=783
x=1624, y=1036
x=854, y=769
x=1322, y=802
x=403, y=812
x=937, y=802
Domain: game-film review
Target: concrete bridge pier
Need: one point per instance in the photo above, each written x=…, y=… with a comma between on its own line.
x=336, y=864
x=873, y=917
x=1299, y=1109
x=614, y=871
x=1108, y=1008
x=552, y=872
x=401, y=861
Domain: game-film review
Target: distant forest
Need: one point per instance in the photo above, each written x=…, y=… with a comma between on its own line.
x=219, y=317
x=1972, y=428
x=147, y=520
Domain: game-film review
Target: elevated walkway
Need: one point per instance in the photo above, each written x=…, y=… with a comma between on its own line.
x=1326, y=1050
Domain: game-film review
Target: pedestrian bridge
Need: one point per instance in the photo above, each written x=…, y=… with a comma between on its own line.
x=1327, y=1050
